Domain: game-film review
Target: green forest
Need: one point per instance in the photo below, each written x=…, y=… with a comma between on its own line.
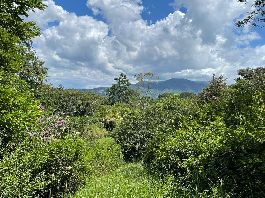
x=57, y=142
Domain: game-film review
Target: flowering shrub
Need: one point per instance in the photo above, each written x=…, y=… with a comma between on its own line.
x=52, y=127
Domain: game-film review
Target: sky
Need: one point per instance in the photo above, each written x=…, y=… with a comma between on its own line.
x=86, y=43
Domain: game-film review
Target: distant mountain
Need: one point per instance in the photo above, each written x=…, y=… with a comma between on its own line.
x=175, y=85
x=154, y=88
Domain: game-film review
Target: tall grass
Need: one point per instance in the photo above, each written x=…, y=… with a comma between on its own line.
x=129, y=180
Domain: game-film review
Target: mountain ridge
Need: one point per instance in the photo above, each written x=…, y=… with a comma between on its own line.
x=175, y=85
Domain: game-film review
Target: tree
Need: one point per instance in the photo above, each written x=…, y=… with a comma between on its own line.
x=120, y=92
x=33, y=71
x=18, y=108
x=254, y=17
x=246, y=101
x=144, y=83
x=16, y=54
x=214, y=91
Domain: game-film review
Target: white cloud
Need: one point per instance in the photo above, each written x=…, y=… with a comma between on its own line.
x=83, y=52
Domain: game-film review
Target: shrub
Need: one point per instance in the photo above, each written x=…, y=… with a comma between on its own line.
x=214, y=91
x=139, y=127
x=94, y=132
x=18, y=113
x=19, y=70
x=111, y=116
x=202, y=156
x=132, y=135
x=187, y=95
x=38, y=169
x=52, y=127
x=173, y=154
x=70, y=102
x=245, y=106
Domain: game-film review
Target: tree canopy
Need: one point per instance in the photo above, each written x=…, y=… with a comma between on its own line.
x=16, y=54
x=20, y=71
x=120, y=91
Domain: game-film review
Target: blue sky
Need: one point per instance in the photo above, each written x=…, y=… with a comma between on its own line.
x=154, y=10
x=86, y=43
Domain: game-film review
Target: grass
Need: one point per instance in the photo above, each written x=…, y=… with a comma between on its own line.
x=128, y=181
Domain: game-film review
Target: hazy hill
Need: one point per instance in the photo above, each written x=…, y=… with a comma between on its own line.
x=175, y=85
x=157, y=87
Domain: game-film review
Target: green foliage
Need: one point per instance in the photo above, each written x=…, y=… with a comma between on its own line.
x=140, y=126
x=16, y=36
x=12, y=14
x=226, y=150
x=51, y=127
x=121, y=91
x=104, y=156
x=70, y=102
x=214, y=91
x=203, y=156
x=33, y=71
x=132, y=135
x=94, y=132
x=127, y=181
x=186, y=95
x=88, y=127
x=245, y=106
x=176, y=154
x=18, y=114
x=112, y=115
x=39, y=169
x=18, y=110
x=165, y=95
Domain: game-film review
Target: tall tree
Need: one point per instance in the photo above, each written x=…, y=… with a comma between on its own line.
x=20, y=69
x=16, y=53
x=120, y=92
x=214, y=91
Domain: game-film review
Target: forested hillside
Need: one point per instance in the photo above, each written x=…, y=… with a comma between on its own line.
x=155, y=88
x=57, y=142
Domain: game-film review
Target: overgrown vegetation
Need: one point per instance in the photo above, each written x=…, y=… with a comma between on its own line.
x=60, y=143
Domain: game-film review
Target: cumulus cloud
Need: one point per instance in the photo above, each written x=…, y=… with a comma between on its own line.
x=81, y=51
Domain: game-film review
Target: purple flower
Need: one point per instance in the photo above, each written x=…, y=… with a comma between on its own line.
x=60, y=123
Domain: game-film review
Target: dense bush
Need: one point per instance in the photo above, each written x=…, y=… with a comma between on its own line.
x=203, y=156
x=111, y=116
x=18, y=113
x=70, y=102
x=58, y=126
x=225, y=149
x=39, y=169
x=140, y=126
x=180, y=152
x=245, y=105
x=20, y=70
x=132, y=135
x=214, y=91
